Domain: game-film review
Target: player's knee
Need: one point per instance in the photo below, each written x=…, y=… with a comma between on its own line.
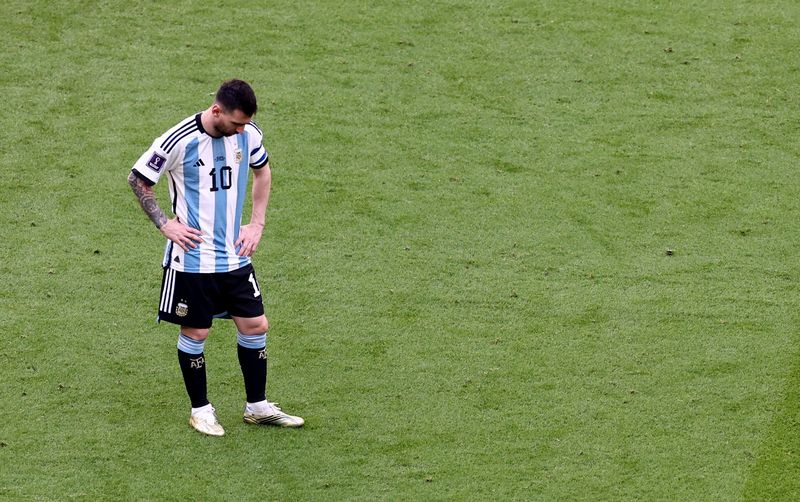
x=198, y=334
x=262, y=326
x=253, y=326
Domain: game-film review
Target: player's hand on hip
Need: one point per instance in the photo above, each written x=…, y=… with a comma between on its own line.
x=249, y=237
x=184, y=236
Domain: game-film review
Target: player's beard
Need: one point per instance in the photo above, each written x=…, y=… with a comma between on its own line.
x=228, y=132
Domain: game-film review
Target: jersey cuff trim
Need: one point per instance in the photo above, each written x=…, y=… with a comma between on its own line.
x=260, y=161
x=142, y=177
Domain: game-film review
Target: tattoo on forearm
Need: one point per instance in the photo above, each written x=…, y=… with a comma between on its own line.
x=147, y=199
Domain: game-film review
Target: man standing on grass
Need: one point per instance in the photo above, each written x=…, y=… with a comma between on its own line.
x=207, y=267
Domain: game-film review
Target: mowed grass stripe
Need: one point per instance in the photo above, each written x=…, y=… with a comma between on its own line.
x=774, y=474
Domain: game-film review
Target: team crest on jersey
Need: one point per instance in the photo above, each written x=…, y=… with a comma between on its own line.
x=181, y=310
x=238, y=153
x=156, y=162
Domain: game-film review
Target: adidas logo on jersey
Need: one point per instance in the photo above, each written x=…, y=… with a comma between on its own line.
x=199, y=163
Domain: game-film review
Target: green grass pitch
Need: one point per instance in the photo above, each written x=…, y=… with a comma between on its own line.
x=515, y=250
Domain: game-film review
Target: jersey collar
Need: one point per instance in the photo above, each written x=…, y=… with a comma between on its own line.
x=201, y=128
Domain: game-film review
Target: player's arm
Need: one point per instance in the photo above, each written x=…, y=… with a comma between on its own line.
x=250, y=234
x=182, y=235
x=147, y=199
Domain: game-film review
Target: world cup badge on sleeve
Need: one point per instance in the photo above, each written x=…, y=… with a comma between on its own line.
x=156, y=162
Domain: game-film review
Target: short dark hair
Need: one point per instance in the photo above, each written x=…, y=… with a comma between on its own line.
x=237, y=95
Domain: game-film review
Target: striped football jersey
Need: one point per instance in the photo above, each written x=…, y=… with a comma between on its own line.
x=207, y=186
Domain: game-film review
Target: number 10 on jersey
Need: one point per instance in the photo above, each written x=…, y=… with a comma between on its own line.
x=222, y=179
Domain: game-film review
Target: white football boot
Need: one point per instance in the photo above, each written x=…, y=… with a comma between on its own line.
x=205, y=420
x=266, y=413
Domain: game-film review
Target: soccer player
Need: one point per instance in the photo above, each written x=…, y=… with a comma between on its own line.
x=207, y=268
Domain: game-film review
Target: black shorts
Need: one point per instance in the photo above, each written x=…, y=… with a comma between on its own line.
x=193, y=300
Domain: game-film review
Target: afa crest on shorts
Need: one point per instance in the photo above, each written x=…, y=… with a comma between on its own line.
x=181, y=310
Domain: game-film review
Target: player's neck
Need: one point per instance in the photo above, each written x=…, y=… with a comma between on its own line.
x=208, y=124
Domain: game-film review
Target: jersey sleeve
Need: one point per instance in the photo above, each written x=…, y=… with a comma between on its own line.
x=154, y=162
x=258, y=154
